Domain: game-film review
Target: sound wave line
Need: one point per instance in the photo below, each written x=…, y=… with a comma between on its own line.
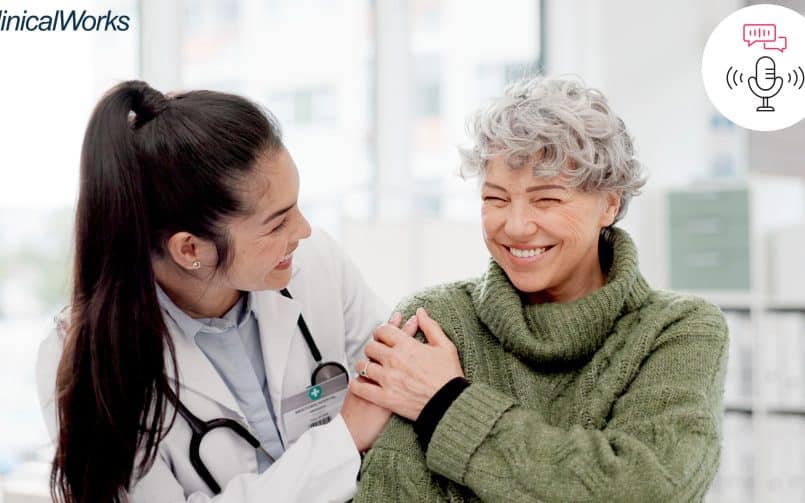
x=733, y=76
x=798, y=79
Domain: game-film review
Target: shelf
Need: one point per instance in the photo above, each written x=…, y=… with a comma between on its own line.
x=762, y=417
x=744, y=301
x=780, y=304
x=781, y=410
x=725, y=299
x=788, y=411
x=738, y=408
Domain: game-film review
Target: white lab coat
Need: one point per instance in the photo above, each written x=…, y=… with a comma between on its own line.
x=322, y=465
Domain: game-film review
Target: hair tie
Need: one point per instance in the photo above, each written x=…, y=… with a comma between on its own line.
x=147, y=104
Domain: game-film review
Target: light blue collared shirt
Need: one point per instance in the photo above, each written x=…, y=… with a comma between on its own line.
x=228, y=342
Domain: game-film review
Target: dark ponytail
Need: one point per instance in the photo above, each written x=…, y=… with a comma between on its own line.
x=151, y=166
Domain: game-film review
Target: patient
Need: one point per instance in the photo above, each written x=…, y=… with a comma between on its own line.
x=559, y=374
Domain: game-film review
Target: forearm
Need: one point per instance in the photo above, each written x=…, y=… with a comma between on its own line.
x=391, y=475
x=502, y=451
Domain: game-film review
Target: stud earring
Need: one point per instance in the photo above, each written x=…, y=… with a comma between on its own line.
x=196, y=264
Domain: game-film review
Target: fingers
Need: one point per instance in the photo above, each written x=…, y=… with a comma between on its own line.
x=411, y=326
x=370, y=370
x=377, y=351
x=430, y=327
x=389, y=335
x=369, y=391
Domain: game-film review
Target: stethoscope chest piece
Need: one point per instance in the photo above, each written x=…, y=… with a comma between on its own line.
x=324, y=371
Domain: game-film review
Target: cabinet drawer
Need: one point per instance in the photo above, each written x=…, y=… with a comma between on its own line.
x=710, y=269
x=725, y=203
x=703, y=233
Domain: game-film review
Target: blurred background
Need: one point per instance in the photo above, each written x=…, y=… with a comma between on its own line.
x=373, y=97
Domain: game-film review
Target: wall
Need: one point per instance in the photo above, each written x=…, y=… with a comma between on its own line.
x=646, y=58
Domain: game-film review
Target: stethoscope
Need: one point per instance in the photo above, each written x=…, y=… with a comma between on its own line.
x=324, y=371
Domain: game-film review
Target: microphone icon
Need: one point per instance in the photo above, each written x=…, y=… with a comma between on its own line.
x=771, y=84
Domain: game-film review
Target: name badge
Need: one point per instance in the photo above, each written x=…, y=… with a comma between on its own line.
x=315, y=406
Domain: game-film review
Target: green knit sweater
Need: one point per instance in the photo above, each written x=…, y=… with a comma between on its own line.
x=613, y=397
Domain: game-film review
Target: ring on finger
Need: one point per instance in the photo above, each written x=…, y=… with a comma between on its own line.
x=363, y=372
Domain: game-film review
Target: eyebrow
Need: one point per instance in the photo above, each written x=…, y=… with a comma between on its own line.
x=530, y=189
x=278, y=213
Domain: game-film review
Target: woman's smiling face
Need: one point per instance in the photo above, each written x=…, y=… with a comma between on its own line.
x=264, y=241
x=544, y=233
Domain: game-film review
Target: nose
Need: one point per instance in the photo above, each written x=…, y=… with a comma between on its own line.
x=520, y=223
x=304, y=227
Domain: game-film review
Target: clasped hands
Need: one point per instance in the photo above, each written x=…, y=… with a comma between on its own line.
x=401, y=373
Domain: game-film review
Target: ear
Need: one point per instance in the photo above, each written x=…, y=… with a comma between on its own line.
x=613, y=205
x=185, y=249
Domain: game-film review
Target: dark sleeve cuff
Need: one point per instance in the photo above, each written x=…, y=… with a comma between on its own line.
x=435, y=409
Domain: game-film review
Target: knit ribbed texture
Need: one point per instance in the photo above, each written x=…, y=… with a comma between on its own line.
x=464, y=427
x=433, y=411
x=613, y=397
x=560, y=333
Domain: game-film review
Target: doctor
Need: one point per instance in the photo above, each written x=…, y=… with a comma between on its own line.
x=204, y=353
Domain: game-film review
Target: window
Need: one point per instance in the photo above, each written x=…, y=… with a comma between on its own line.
x=308, y=62
x=316, y=66
x=48, y=91
x=463, y=54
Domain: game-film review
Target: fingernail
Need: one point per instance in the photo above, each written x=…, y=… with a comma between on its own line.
x=411, y=320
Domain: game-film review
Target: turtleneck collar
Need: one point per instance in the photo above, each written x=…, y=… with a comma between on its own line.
x=562, y=333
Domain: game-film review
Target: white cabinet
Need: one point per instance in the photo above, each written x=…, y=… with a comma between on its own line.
x=763, y=456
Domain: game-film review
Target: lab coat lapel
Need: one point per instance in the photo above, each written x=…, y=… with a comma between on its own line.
x=277, y=321
x=195, y=370
x=277, y=318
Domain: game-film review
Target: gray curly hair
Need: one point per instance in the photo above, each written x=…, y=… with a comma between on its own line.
x=562, y=128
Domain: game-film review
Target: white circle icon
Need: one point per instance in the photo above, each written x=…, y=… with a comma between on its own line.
x=754, y=67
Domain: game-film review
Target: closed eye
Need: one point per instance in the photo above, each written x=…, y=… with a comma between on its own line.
x=547, y=202
x=280, y=226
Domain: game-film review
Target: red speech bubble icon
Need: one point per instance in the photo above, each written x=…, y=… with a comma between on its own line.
x=781, y=44
x=759, y=33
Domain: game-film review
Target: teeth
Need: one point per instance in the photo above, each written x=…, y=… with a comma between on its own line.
x=527, y=253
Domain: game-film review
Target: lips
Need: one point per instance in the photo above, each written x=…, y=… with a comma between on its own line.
x=285, y=261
